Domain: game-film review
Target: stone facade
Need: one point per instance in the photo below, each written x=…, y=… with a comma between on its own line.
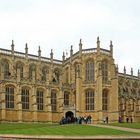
x=39, y=89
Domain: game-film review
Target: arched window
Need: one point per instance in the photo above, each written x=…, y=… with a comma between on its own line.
x=89, y=71
x=105, y=100
x=138, y=105
x=6, y=69
x=104, y=71
x=9, y=97
x=67, y=75
x=20, y=67
x=39, y=99
x=31, y=69
x=25, y=99
x=53, y=101
x=66, y=98
x=89, y=100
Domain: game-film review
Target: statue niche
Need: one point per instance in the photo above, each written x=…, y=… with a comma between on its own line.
x=55, y=76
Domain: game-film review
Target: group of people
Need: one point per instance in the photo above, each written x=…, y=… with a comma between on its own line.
x=77, y=120
x=127, y=119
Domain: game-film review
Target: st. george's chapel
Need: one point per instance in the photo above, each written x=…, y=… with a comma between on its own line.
x=43, y=89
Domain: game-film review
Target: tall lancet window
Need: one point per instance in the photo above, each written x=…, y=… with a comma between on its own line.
x=53, y=101
x=66, y=98
x=104, y=71
x=9, y=97
x=20, y=67
x=105, y=100
x=89, y=100
x=32, y=68
x=90, y=71
x=6, y=69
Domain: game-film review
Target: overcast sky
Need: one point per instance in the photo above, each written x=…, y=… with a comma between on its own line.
x=58, y=24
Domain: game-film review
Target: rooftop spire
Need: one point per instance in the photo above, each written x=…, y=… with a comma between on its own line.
x=124, y=70
x=63, y=56
x=111, y=48
x=80, y=47
x=98, y=45
x=51, y=54
x=80, y=44
x=39, y=51
x=132, y=71
x=71, y=50
x=98, y=42
x=12, y=46
x=26, y=48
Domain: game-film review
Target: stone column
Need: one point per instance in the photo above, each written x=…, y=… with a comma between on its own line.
x=2, y=72
x=78, y=89
x=49, y=105
x=18, y=75
x=33, y=76
x=3, y=107
x=34, y=104
x=113, y=94
x=19, y=104
x=98, y=93
x=60, y=102
x=60, y=97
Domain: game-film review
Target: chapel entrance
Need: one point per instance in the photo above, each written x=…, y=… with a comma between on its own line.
x=70, y=116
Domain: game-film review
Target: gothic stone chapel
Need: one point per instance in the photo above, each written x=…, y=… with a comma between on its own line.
x=40, y=89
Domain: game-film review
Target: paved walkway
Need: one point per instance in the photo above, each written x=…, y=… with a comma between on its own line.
x=23, y=137
x=47, y=137
x=117, y=128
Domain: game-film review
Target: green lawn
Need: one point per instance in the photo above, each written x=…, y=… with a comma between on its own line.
x=65, y=130
x=128, y=125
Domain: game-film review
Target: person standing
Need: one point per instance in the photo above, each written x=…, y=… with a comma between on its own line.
x=107, y=119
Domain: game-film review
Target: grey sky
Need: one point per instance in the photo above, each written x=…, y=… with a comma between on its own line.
x=57, y=24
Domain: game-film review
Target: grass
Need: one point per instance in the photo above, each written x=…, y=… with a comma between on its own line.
x=128, y=125
x=65, y=130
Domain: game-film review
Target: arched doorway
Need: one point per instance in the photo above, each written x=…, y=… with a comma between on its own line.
x=70, y=116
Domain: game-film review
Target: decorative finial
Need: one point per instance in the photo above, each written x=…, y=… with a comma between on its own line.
x=51, y=54
x=71, y=50
x=71, y=47
x=26, y=45
x=39, y=51
x=110, y=42
x=131, y=71
x=98, y=39
x=124, y=70
x=12, y=46
x=111, y=48
x=13, y=42
x=63, y=57
x=26, y=48
x=80, y=43
x=80, y=47
x=98, y=45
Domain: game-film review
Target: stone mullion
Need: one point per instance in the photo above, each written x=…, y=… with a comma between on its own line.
x=3, y=103
x=34, y=104
x=19, y=104
x=49, y=108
